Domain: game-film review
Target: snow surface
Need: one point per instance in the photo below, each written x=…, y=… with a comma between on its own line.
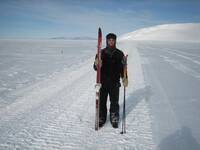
x=47, y=96
x=57, y=110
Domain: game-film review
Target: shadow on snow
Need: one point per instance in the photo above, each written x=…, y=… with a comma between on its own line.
x=180, y=140
x=135, y=97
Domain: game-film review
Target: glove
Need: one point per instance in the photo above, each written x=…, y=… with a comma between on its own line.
x=125, y=82
x=96, y=62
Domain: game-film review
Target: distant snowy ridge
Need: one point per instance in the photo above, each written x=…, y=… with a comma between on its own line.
x=74, y=38
x=168, y=32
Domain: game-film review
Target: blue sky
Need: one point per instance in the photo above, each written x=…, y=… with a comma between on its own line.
x=69, y=18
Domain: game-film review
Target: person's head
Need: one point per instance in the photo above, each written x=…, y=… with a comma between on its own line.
x=111, y=40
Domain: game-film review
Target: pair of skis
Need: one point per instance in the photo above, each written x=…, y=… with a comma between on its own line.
x=98, y=86
x=98, y=79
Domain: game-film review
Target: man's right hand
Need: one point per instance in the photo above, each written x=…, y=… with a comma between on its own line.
x=96, y=62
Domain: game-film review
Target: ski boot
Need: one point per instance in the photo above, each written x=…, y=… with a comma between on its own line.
x=114, y=119
x=102, y=121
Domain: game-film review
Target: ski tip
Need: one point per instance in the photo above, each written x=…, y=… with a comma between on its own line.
x=100, y=33
x=99, y=29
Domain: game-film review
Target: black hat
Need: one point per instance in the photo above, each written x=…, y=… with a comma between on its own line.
x=111, y=36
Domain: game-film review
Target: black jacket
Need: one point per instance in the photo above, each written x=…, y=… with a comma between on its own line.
x=112, y=66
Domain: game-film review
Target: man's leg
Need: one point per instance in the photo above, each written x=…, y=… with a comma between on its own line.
x=114, y=105
x=103, y=106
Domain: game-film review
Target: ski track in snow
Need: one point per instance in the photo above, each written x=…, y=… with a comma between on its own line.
x=58, y=113
x=178, y=63
x=174, y=80
x=180, y=66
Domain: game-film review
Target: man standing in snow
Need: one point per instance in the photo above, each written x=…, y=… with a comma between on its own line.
x=112, y=66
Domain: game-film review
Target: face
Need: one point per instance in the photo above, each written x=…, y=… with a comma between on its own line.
x=111, y=42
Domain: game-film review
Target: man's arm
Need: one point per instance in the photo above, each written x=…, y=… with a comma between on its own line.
x=96, y=61
x=122, y=66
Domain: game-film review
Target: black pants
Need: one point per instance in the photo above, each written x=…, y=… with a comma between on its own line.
x=113, y=91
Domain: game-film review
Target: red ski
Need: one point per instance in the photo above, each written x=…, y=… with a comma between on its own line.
x=98, y=79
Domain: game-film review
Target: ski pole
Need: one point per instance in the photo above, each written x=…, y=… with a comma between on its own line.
x=124, y=114
x=124, y=102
